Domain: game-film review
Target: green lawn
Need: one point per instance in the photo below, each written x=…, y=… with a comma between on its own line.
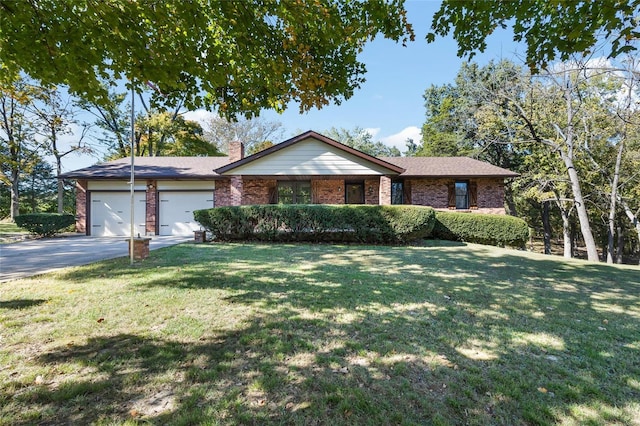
x=444, y=333
x=9, y=231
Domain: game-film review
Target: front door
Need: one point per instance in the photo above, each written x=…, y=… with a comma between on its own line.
x=354, y=193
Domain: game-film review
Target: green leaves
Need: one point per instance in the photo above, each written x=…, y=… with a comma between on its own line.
x=551, y=29
x=319, y=223
x=234, y=56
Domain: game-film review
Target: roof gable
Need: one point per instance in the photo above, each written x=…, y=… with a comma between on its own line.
x=310, y=154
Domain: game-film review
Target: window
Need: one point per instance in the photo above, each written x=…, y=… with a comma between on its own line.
x=294, y=192
x=354, y=193
x=462, y=195
x=397, y=192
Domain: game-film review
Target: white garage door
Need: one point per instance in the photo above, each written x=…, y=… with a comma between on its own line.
x=111, y=214
x=176, y=211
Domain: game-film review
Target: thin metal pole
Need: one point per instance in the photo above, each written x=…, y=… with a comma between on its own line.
x=132, y=179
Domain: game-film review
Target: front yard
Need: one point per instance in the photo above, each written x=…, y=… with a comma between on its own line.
x=444, y=333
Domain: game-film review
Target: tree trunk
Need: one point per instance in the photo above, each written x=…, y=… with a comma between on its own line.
x=632, y=217
x=60, y=185
x=581, y=208
x=612, y=203
x=546, y=226
x=510, y=202
x=620, y=250
x=15, y=193
x=574, y=238
x=566, y=234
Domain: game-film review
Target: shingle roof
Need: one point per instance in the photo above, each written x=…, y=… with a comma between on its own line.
x=152, y=168
x=448, y=167
x=210, y=167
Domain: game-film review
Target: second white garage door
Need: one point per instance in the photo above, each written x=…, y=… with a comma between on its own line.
x=176, y=211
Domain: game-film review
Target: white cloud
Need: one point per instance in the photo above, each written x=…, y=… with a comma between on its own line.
x=373, y=131
x=399, y=139
x=201, y=116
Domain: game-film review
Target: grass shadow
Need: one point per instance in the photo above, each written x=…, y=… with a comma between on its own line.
x=301, y=334
x=20, y=303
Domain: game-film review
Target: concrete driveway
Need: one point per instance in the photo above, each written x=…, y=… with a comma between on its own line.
x=32, y=257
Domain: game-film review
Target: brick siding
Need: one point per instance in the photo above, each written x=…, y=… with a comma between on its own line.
x=81, y=206
x=223, y=193
x=430, y=192
x=140, y=248
x=257, y=191
x=385, y=191
x=424, y=192
x=236, y=151
x=151, y=207
x=435, y=193
x=236, y=190
x=330, y=191
x=491, y=195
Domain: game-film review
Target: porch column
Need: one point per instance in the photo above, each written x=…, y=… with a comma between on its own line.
x=385, y=190
x=81, y=206
x=236, y=190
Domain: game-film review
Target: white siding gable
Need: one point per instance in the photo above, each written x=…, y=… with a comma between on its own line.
x=309, y=157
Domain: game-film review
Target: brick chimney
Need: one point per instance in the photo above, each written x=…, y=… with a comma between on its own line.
x=236, y=151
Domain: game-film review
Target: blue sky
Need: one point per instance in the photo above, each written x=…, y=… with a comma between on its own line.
x=389, y=104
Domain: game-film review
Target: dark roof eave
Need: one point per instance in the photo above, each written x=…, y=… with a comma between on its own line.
x=461, y=176
x=168, y=177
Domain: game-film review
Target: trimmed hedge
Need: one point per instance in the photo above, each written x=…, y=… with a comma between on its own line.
x=318, y=223
x=45, y=224
x=490, y=229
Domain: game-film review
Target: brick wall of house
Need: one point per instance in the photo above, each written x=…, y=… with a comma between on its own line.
x=223, y=193
x=151, y=207
x=435, y=193
x=371, y=191
x=330, y=191
x=430, y=192
x=257, y=191
x=81, y=206
x=425, y=192
x=491, y=196
x=384, y=191
x=236, y=190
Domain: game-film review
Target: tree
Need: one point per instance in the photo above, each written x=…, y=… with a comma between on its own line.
x=362, y=140
x=556, y=127
x=17, y=154
x=260, y=147
x=460, y=122
x=159, y=131
x=39, y=189
x=54, y=115
x=609, y=155
x=549, y=29
x=443, y=133
x=113, y=119
x=167, y=134
x=412, y=148
x=237, y=57
x=252, y=132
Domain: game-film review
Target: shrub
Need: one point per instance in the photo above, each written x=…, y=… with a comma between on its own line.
x=44, y=224
x=496, y=230
x=318, y=223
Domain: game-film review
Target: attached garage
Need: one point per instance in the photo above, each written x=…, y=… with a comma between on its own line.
x=176, y=209
x=110, y=213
